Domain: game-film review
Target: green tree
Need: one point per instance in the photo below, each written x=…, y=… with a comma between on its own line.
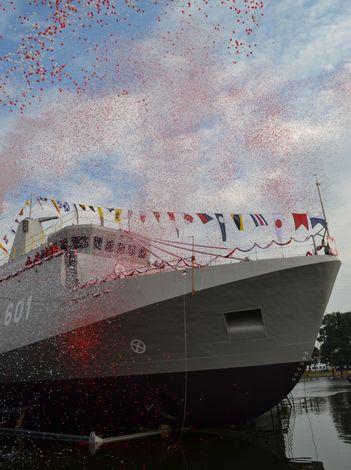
x=335, y=339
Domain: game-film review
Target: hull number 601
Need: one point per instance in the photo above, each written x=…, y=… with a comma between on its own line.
x=17, y=311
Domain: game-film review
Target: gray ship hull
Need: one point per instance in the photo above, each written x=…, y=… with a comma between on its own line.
x=144, y=350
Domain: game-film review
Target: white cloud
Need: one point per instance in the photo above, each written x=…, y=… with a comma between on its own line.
x=196, y=133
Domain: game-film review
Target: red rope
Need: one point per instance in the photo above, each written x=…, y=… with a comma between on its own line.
x=182, y=248
x=291, y=239
x=158, y=248
x=228, y=255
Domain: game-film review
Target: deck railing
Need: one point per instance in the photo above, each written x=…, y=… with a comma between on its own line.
x=71, y=218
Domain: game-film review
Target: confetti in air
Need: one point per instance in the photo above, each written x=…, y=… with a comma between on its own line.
x=145, y=112
x=65, y=44
x=153, y=95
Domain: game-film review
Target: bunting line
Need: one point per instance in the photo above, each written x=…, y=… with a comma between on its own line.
x=281, y=223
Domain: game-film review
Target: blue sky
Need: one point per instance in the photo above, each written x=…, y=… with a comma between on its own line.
x=199, y=135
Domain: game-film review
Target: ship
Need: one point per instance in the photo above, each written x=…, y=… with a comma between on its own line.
x=97, y=334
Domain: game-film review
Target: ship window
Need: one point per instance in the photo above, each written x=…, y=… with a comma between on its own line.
x=80, y=242
x=109, y=245
x=244, y=324
x=131, y=250
x=25, y=226
x=97, y=243
x=142, y=252
x=121, y=248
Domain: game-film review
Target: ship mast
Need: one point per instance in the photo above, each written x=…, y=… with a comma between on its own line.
x=322, y=205
x=30, y=206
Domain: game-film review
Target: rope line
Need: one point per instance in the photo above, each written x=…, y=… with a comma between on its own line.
x=185, y=363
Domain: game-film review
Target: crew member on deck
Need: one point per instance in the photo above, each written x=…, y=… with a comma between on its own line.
x=55, y=248
x=29, y=261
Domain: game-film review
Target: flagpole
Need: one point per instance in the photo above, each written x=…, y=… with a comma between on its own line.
x=322, y=205
x=193, y=266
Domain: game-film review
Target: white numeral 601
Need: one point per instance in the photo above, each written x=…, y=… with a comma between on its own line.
x=15, y=311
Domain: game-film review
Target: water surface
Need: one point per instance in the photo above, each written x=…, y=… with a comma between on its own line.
x=324, y=431
x=312, y=432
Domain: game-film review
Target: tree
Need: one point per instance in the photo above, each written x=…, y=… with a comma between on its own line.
x=335, y=339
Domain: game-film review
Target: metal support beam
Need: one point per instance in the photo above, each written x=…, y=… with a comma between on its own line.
x=94, y=441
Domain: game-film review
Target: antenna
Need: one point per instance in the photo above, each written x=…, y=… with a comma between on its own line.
x=322, y=205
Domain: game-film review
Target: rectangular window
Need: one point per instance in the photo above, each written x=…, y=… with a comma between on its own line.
x=80, y=242
x=131, y=250
x=142, y=252
x=109, y=245
x=97, y=243
x=121, y=248
x=244, y=324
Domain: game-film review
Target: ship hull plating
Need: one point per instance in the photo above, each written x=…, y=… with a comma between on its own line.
x=213, y=397
x=145, y=351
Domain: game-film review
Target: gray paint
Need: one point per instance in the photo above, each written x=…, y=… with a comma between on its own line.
x=292, y=294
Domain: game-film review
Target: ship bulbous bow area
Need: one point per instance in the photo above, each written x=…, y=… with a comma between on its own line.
x=221, y=356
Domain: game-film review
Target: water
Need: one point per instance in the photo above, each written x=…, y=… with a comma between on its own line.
x=315, y=433
x=324, y=432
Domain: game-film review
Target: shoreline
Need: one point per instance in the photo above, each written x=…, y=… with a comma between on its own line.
x=326, y=373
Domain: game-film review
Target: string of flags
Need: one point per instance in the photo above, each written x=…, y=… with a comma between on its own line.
x=259, y=220
x=241, y=222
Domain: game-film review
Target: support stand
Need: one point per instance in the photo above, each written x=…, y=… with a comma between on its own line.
x=94, y=441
